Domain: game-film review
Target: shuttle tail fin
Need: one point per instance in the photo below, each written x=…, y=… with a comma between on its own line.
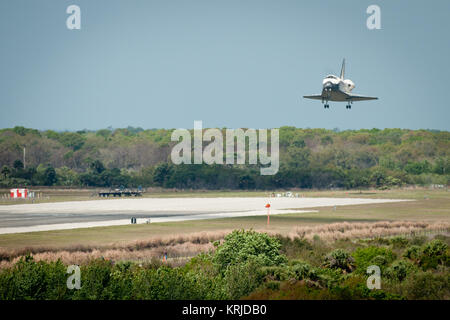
x=343, y=69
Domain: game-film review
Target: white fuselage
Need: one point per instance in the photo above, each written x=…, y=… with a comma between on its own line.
x=334, y=88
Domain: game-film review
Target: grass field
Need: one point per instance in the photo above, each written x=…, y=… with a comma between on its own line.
x=430, y=206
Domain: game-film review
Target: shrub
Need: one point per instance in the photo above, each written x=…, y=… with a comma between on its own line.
x=272, y=285
x=380, y=261
x=339, y=259
x=399, y=270
x=241, y=279
x=380, y=241
x=399, y=242
x=203, y=274
x=121, y=281
x=95, y=277
x=355, y=287
x=166, y=283
x=329, y=277
x=277, y=273
x=295, y=247
x=302, y=270
x=412, y=253
x=418, y=240
x=443, y=238
x=241, y=246
x=365, y=257
x=433, y=254
x=29, y=279
x=426, y=285
x=435, y=248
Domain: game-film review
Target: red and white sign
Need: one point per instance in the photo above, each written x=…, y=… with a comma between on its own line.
x=19, y=193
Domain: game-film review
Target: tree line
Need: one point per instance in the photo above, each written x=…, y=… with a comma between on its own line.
x=309, y=158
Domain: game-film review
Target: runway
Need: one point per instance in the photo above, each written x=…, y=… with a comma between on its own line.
x=109, y=212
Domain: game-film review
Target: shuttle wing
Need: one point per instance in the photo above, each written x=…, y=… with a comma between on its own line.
x=357, y=97
x=315, y=97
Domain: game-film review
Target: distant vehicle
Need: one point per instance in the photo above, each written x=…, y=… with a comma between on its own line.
x=338, y=89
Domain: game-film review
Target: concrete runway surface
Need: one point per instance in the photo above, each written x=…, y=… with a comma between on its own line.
x=95, y=213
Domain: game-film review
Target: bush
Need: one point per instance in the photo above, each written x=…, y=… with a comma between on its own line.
x=277, y=273
x=295, y=247
x=203, y=273
x=412, y=253
x=380, y=261
x=302, y=270
x=418, y=240
x=399, y=270
x=31, y=280
x=95, y=277
x=435, y=248
x=121, y=282
x=339, y=259
x=329, y=277
x=426, y=285
x=241, y=279
x=443, y=238
x=364, y=257
x=241, y=246
x=355, y=288
x=399, y=242
x=272, y=285
x=166, y=283
x=433, y=254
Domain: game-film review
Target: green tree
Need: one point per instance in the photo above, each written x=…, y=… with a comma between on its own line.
x=246, y=181
x=105, y=133
x=378, y=178
x=71, y=140
x=241, y=246
x=162, y=173
x=5, y=171
x=18, y=165
x=97, y=166
x=50, y=176
x=66, y=176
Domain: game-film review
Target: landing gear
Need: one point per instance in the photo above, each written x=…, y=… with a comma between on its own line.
x=349, y=105
x=326, y=105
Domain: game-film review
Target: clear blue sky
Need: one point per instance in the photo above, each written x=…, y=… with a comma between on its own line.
x=230, y=63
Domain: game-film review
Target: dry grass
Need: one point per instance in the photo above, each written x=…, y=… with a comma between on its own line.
x=343, y=230
x=177, y=248
x=180, y=248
